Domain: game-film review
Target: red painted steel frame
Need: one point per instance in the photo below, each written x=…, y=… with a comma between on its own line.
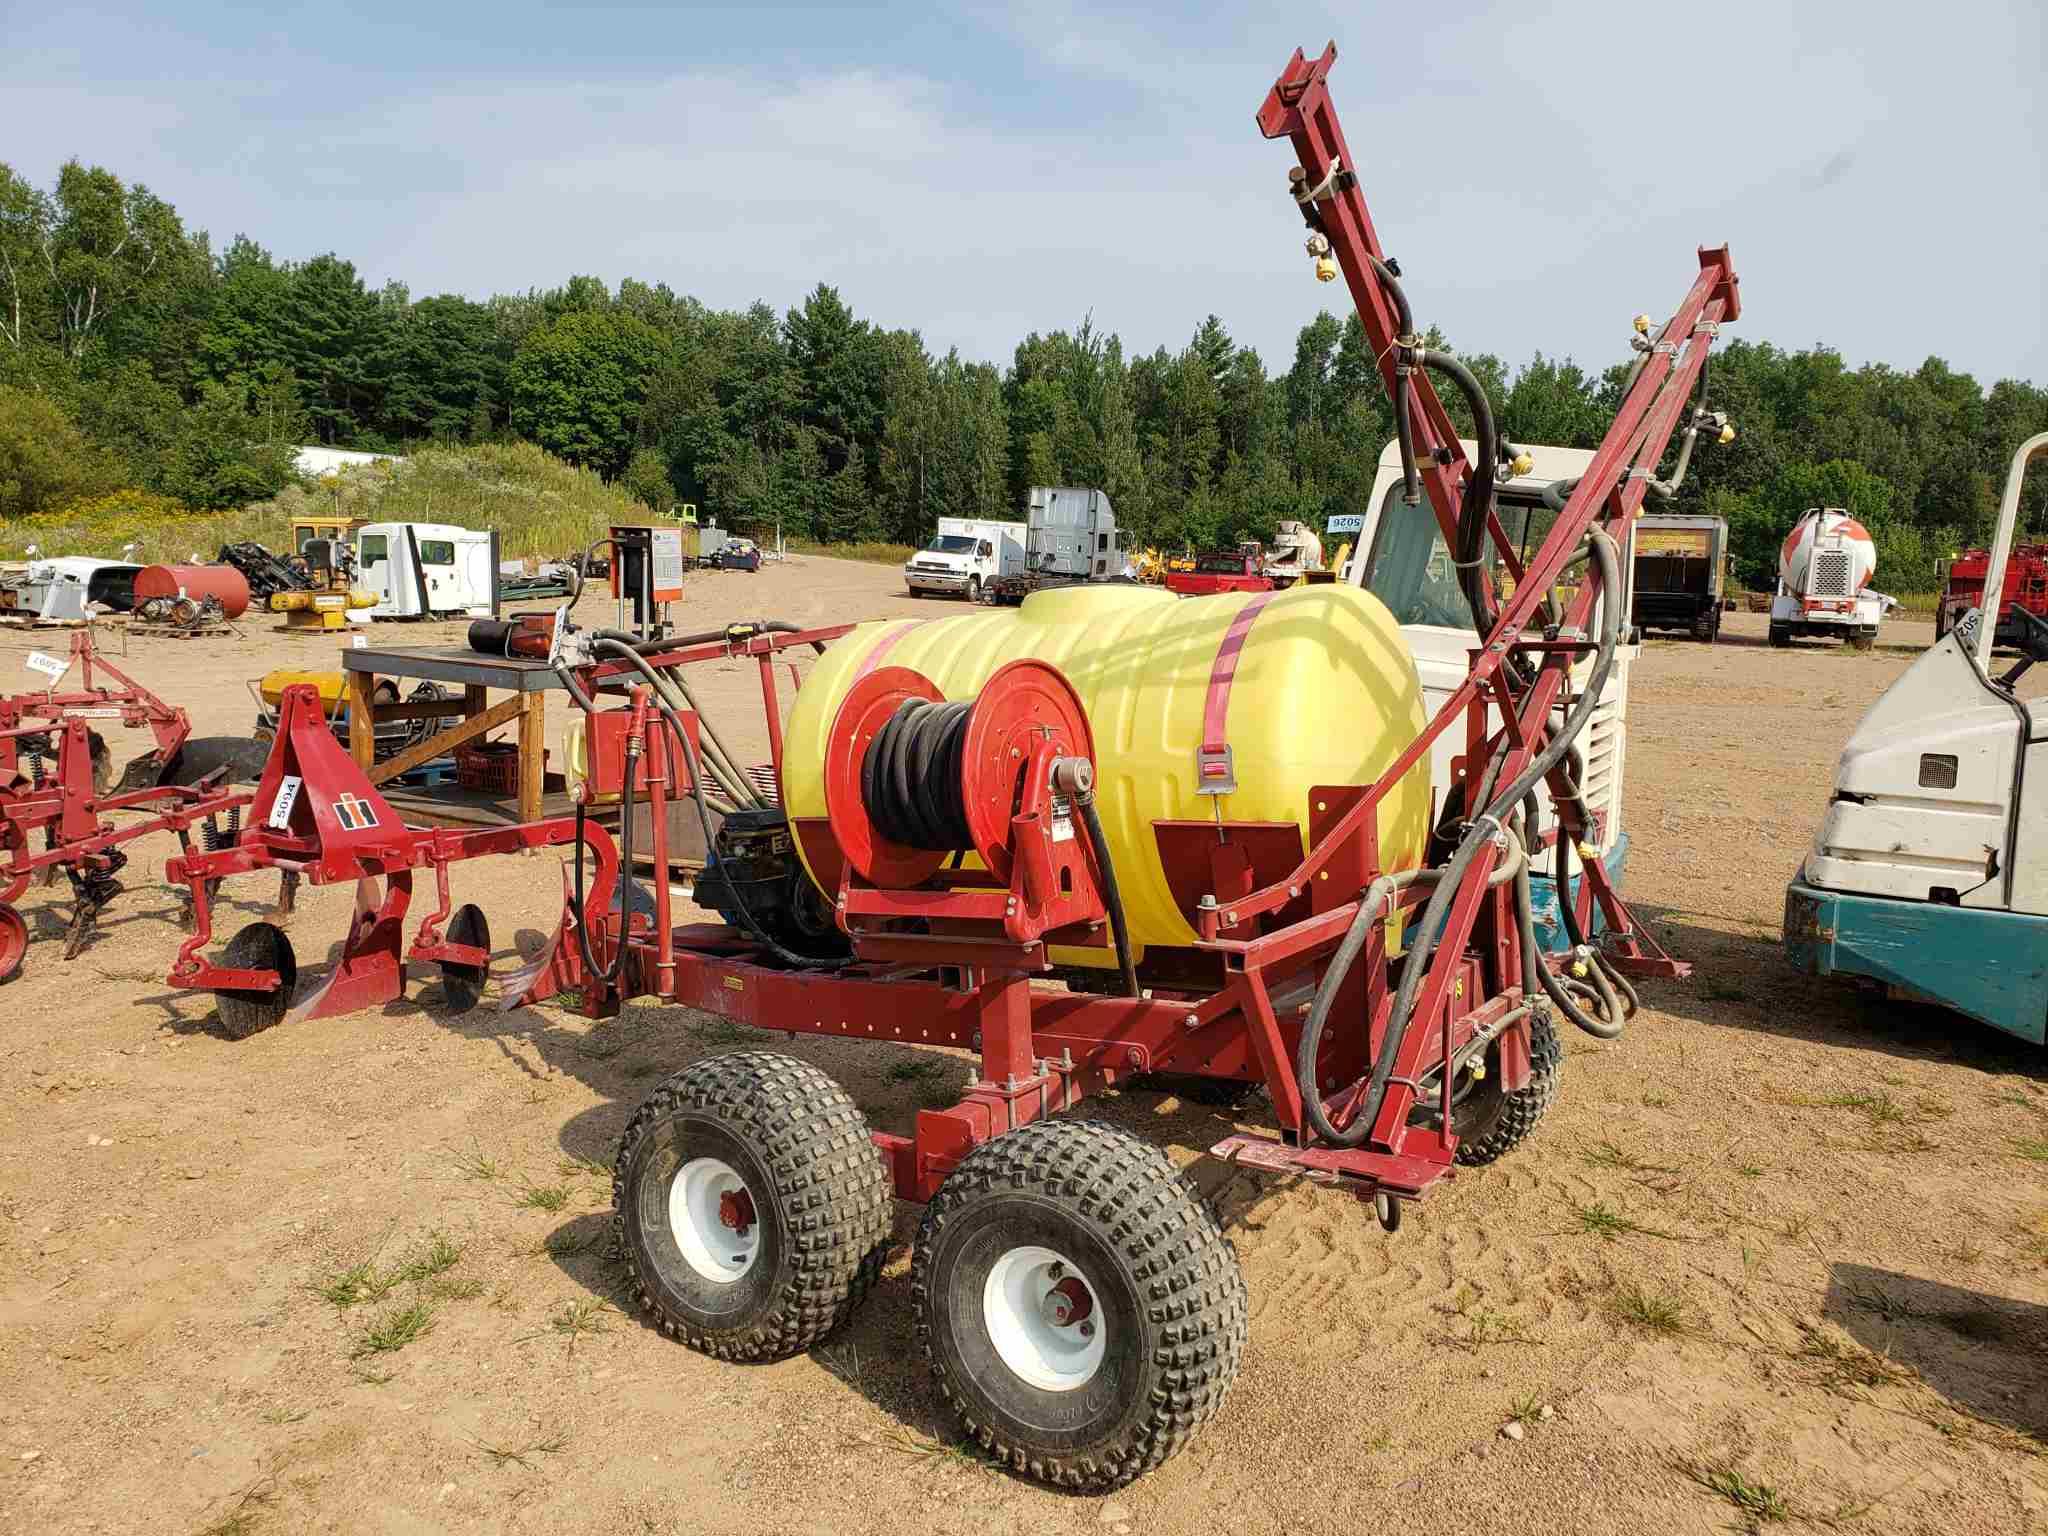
x=1042, y=1049
x=68, y=807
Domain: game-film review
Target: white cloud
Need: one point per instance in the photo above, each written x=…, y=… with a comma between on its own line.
x=1542, y=176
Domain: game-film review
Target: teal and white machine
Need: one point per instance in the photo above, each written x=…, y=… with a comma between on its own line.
x=1930, y=871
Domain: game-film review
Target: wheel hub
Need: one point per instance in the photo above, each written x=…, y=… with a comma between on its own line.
x=712, y=1218
x=1041, y=1317
x=736, y=1210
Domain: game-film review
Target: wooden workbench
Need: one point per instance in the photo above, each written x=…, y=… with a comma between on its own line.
x=525, y=679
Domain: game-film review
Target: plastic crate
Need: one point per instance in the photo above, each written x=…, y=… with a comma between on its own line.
x=492, y=766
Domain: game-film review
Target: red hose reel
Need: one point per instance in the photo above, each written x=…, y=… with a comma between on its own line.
x=1028, y=752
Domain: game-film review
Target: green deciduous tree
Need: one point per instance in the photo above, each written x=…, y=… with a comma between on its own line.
x=579, y=385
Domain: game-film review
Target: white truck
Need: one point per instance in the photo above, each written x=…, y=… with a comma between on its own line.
x=426, y=570
x=1402, y=560
x=1824, y=571
x=1070, y=536
x=964, y=557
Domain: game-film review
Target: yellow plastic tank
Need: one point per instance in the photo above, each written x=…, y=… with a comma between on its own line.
x=1325, y=692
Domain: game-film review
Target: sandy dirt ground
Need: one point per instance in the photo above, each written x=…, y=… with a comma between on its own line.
x=1778, y=1256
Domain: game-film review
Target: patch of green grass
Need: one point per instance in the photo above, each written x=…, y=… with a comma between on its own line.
x=441, y=1254
x=1487, y=1326
x=1607, y=1155
x=1759, y=1504
x=544, y=1197
x=284, y=1415
x=394, y=1329
x=519, y=1455
x=1655, y=1101
x=2033, y=1148
x=1750, y=1170
x=569, y=1167
x=1596, y=1219
x=957, y=1455
x=1654, y=1312
x=580, y=1318
x=1527, y=1409
x=1839, y=1365
x=912, y=1071
x=347, y=1287
x=246, y=1514
x=473, y=1164
x=456, y=1289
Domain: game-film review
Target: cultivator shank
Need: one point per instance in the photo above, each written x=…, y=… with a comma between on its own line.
x=57, y=789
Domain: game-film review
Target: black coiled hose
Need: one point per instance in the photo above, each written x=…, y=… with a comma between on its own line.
x=910, y=778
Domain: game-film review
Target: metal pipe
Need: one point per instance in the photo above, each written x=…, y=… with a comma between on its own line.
x=1993, y=602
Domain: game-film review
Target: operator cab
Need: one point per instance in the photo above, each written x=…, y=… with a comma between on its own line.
x=1406, y=565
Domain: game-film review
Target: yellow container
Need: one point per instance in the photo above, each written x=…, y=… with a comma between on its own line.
x=1325, y=693
x=273, y=684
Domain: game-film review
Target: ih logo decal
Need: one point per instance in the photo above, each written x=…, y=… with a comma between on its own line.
x=354, y=813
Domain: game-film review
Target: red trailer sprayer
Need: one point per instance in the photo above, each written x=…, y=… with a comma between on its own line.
x=1105, y=835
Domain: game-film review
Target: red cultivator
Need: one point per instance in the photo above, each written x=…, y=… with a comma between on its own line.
x=1074, y=1296
x=56, y=780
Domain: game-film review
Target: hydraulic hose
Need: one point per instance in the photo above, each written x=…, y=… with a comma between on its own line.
x=1112, y=897
x=787, y=956
x=1479, y=488
x=1371, y=908
x=1404, y=424
x=1490, y=823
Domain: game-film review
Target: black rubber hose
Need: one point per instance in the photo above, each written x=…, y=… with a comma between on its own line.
x=1370, y=907
x=1404, y=425
x=910, y=776
x=608, y=976
x=1112, y=897
x=1477, y=832
x=1477, y=507
x=748, y=921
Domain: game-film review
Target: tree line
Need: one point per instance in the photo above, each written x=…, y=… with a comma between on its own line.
x=132, y=353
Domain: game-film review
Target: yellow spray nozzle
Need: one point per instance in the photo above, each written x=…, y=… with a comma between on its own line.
x=1642, y=325
x=1522, y=462
x=1727, y=435
x=1326, y=269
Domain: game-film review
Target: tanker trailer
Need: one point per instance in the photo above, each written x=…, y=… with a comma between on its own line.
x=1824, y=571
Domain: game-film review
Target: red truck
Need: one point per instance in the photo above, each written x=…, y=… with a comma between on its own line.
x=2026, y=586
x=1236, y=571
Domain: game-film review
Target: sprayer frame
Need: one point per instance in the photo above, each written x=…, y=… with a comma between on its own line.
x=1042, y=1049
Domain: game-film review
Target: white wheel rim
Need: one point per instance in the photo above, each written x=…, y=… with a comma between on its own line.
x=1044, y=1319
x=701, y=1218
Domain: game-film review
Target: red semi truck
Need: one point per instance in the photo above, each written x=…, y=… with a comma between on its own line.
x=2026, y=586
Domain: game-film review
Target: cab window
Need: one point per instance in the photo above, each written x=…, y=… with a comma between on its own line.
x=1411, y=570
x=372, y=549
x=437, y=552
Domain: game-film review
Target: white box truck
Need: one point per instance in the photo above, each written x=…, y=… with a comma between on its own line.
x=426, y=570
x=964, y=557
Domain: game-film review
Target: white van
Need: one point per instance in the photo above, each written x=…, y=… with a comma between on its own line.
x=426, y=570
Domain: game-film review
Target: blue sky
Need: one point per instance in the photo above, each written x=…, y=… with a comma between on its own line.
x=1542, y=172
